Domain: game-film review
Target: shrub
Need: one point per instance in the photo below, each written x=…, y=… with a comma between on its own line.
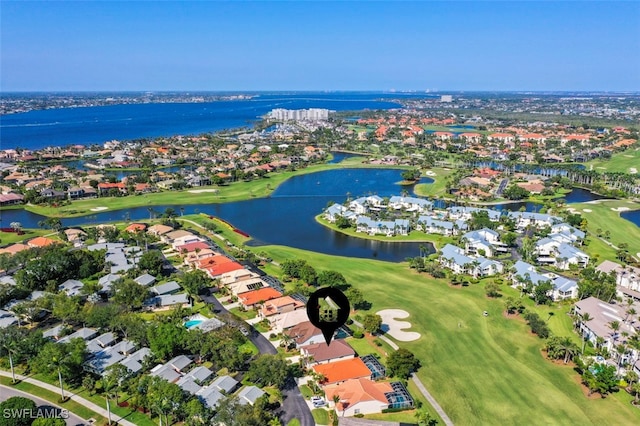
x=358, y=334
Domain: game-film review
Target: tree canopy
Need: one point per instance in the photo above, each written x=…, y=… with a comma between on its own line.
x=402, y=363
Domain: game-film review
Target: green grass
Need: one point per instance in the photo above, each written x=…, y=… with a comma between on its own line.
x=306, y=391
x=294, y=422
x=222, y=229
x=245, y=315
x=8, y=238
x=619, y=162
x=133, y=416
x=437, y=189
x=248, y=348
x=491, y=369
x=70, y=405
x=320, y=415
x=602, y=217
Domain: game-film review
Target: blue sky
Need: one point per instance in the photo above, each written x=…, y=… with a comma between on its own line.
x=477, y=45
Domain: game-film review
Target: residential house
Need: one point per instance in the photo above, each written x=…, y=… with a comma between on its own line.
x=304, y=334
x=145, y=280
x=159, y=230
x=601, y=315
x=170, y=287
x=321, y=353
x=280, y=323
x=537, y=220
x=280, y=305
x=453, y=257
x=626, y=276
x=388, y=228
x=7, y=319
x=134, y=362
x=243, y=286
x=251, y=298
x=465, y=213
x=430, y=225
x=485, y=242
x=249, y=395
x=71, y=287
x=410, y=204
x=341, y=371
x=358, y=396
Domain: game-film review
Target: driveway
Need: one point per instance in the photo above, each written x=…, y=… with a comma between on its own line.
x=47, y=407
x=293, y=406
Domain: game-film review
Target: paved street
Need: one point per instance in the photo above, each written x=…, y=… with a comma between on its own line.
x=7, y=392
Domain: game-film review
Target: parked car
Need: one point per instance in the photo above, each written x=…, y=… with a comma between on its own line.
x=315, y=399
x=244, y=331
x=319, y=404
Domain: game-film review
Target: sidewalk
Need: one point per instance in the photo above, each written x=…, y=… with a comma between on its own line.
x=55, y=389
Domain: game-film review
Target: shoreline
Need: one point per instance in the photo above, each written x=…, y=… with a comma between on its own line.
x=233, y=192
x=354, y=234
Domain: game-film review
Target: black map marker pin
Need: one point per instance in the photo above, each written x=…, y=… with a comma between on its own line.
x=328, y=309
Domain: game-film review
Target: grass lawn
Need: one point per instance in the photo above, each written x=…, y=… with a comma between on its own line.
x=294, y=422
x=70, y=405
x=245, y=315
x=437, y=189
x=490, y=369
x=602, y=217
x=249, y=348
x=7, y=238
x=222, y=229
x=619, y=162
x=320, y=415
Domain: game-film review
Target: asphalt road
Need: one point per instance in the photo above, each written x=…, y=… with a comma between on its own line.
x=8, y=392
x=293, y=405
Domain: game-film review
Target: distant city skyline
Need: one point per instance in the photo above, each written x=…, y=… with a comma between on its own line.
x=320, y=46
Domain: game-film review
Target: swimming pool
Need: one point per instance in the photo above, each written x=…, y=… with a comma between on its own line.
x=193, y=323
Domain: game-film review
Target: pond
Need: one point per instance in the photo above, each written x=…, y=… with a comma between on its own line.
x=287, y=216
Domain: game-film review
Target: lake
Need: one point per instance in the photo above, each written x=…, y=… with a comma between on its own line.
x=88, y=125
x=287, y=216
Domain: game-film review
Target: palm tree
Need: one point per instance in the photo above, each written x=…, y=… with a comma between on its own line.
x=614, y=326
x=10, y=346
x=584, y=318
x=58, y=363
x=635, y=390
x=107, y=385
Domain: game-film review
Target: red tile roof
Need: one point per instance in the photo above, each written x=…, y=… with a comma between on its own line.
x=41, y=242
x=355, y=391
x=340, y=371
x=250, y=298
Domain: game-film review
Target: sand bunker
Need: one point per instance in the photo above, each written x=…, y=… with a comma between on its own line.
x=620, y=209
x=633, y=170
x=200, y=191
x=587, y=210
x=394, y=328
x=99, y=209
x=430, y=173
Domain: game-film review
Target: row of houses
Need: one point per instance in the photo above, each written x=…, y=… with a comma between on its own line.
x=200, y=382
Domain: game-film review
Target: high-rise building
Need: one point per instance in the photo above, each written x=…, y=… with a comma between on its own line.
x=446, y=98
x=311, y=114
